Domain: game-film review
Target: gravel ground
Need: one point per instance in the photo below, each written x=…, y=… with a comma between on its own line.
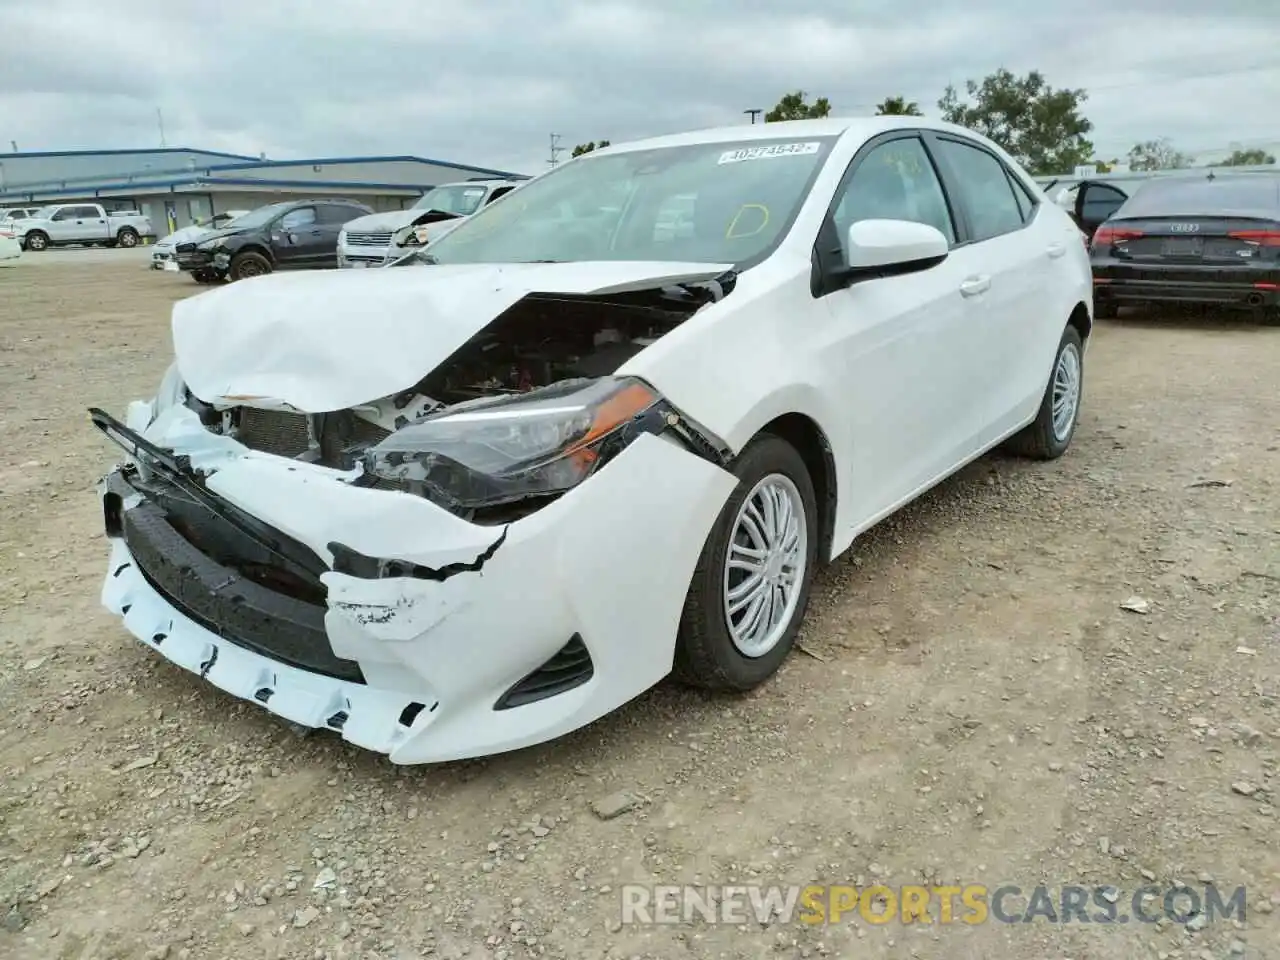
x=973, y=705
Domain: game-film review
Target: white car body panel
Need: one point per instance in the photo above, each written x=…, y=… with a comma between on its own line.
x=906, y=377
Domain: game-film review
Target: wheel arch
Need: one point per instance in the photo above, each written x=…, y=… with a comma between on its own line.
x=810, y=441
x=260, y=249
x=1082, y=320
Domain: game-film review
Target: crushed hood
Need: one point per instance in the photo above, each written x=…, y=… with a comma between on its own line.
x=326, y=341
x=388, y=222
x=182, y=236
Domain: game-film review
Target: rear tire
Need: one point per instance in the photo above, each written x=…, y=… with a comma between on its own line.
x=246, y=265
x=1049, y=435
x=36, y=241
x=127, y=237
x=707, y=655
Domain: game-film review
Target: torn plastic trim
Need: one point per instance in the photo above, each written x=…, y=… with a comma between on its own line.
x=698, y=438
x=176, y=470
x=353, y=563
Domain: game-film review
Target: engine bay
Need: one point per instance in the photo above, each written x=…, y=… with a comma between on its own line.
x=543, y=340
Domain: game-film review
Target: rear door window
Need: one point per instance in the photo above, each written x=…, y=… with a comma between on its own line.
x=981, y=178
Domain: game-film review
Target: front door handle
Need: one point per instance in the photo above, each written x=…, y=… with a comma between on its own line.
x=974, y=286
x=1056, y=250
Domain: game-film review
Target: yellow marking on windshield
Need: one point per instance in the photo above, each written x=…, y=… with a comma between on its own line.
x=730, y=235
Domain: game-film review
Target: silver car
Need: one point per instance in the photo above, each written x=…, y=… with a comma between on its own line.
x=369, y=241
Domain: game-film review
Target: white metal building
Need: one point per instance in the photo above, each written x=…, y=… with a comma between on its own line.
x=176, y=185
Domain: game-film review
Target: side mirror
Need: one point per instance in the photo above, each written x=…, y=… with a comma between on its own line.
x=893, y=246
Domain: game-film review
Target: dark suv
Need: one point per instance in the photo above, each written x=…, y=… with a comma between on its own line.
x=294, y=235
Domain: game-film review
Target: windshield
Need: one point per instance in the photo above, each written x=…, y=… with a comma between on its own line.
x=44, y=213
x=704, y=203
x=462, y=199
x=260, y=217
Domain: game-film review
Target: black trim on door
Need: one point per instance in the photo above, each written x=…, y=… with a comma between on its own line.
x=951, y=182
x=828, y=247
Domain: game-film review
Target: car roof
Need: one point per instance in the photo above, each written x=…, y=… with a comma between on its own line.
x=827, y=127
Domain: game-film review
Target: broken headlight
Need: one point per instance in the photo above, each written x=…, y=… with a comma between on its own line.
x=497, y=450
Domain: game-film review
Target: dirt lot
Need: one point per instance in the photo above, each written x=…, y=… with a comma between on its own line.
x=976, y=707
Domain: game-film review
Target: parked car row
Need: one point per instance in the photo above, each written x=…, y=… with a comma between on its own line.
x=315, y=234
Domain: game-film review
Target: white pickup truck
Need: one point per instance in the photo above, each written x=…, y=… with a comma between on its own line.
x=87, y=223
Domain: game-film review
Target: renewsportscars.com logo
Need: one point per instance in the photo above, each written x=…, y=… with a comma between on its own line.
x=970, y=904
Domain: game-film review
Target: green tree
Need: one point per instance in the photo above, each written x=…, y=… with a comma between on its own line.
x=587, y=147
x=794, y=106
x=1157, y=155
x=1042, y=128
x=898, y=107
x=1247, y=158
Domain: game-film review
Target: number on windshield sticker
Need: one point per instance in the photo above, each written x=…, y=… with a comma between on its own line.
x=769, y=152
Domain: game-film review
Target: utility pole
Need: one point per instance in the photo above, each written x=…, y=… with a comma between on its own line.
x=160, y=123
x=753, y=114
x=556, y=149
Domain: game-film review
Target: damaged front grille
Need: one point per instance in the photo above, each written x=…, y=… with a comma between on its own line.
x=330, y=439
x=570, y=667
x=231, y=585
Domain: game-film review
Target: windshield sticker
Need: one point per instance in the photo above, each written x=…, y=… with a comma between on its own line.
x=769, y=152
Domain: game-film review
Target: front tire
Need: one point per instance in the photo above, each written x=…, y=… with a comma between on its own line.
x=1049, y=436
x=246, y=265
x=751, y=585
x=36, y=241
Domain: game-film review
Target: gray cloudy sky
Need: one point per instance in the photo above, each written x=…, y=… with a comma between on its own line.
x=486, y=81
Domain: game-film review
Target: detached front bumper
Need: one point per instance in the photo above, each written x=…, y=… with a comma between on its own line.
x=503, y=638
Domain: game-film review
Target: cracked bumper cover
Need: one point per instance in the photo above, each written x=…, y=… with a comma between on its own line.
x=610, y=563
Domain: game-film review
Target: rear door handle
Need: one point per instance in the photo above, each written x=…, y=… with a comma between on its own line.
x=974, y=286
x=1056, y=250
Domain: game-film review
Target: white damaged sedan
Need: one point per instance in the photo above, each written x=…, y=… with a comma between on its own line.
x=604, y=431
